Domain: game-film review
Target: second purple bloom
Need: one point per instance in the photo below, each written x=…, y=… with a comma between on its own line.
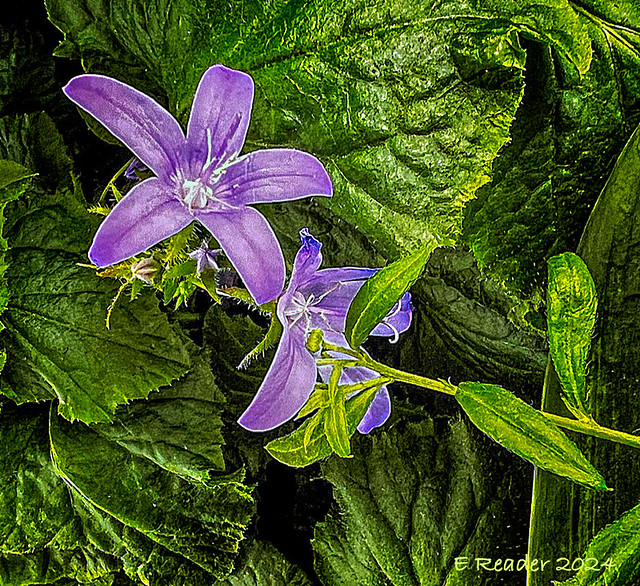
x=317, y=299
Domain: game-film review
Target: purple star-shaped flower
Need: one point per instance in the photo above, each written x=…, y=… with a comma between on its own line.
x=205, y=257
x=316, y=299
x=200, y=176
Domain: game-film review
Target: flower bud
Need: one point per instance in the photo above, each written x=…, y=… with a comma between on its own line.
x=145, y=269
x=314, y=341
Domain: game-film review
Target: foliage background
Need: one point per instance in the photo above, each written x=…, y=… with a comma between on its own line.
x=416, y=109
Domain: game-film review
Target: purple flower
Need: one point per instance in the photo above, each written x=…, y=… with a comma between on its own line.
x=200, y=176
x=316, y=299
x=205, y=257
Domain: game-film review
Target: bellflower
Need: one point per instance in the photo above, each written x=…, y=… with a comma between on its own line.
x=316, y=299
x=198, y=176
x=205, y=257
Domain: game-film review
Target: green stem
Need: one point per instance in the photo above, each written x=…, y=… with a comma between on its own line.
x=392, y=373
x=585, y=427
x=595, y=430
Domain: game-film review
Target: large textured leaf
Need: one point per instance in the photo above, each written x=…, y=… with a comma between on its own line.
x=261, y=564
x=136, y=475
x=566, y=136
x=413, y=499
x=608, y=248
x=408, y=138
x=526, y=432
x=55, y=321
x=13, y=183
x=571, y=315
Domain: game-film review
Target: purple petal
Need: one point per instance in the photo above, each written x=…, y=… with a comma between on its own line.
x=148, y=214
x=378, y=412
x=219, y=116
x=273, y=175
x=286, y=387
x=397, y=321
x=143, y=125
x=250, y=244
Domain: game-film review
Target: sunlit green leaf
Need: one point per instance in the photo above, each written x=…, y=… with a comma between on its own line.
x=526, y=432
x=380, y=293
x=571, y=315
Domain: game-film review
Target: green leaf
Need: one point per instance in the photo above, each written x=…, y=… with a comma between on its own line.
x=567, y=132
x=526, y=432
x=297, y=450
x=414, y=497
x=55, y=320
x=335, y=417
x=188, y=267
x=261, y=564
x=571, y=315
x=613, y=557
x=380, y=293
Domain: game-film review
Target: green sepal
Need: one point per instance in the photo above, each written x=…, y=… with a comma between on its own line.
x=335, y=419
x=270, y=339
x=301, y=449
x=526, y=432
x=380, y=293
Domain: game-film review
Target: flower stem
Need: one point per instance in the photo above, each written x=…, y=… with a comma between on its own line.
x=397, y=375
x=593, y=429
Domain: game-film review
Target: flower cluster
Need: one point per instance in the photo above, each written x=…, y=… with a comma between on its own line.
x=202, y=176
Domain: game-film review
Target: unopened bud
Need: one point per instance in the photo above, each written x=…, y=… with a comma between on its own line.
x=314, y=341
x=145, y=269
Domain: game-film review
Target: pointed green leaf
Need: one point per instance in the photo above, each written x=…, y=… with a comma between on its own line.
x=526, y=432
x=296, y=449
x=335, y=419
x=613, y=557
x=571, y=315
x=380, y=293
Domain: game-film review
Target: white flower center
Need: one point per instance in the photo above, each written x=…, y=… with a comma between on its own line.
x=195, y=194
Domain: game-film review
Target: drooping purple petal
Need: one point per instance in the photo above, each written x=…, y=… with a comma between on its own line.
x=219, y=117
x=273, y=175
x=285, y=389
x=378, y=412
x=250, y=244
x=143, y=125
x=398, y=319
x=146, y=215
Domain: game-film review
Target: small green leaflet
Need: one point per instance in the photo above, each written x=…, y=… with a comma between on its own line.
x=301, y=449
x=613, y=557
x=526, y=432
x=335, y=419
x=380, y=293
x=571, y=315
